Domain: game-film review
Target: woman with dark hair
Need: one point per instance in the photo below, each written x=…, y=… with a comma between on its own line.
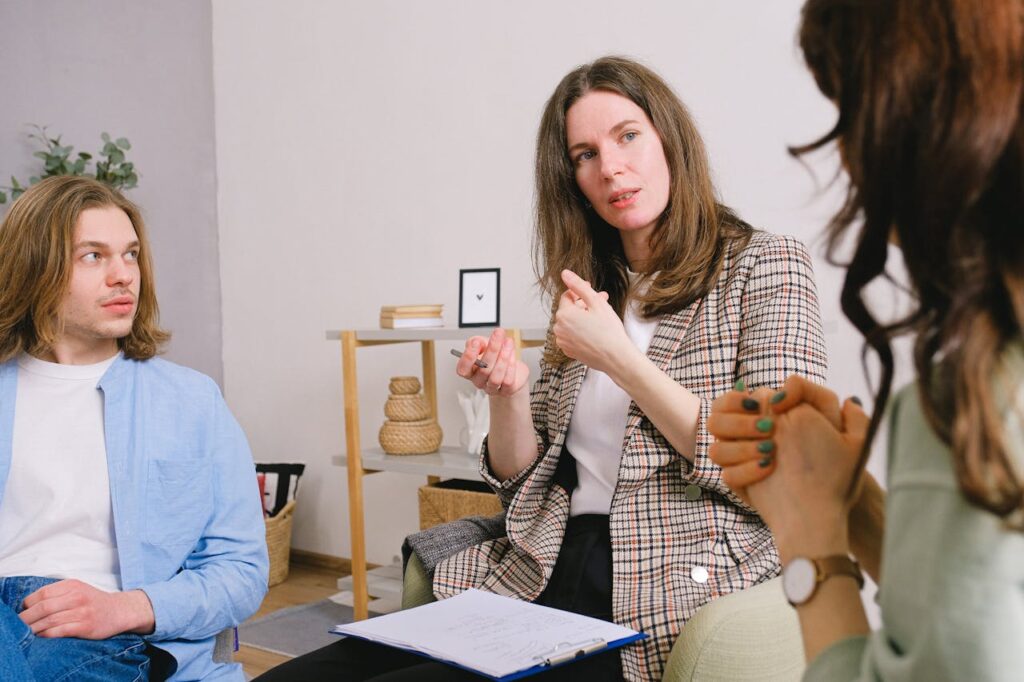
x=663, y=299
x=932, y=137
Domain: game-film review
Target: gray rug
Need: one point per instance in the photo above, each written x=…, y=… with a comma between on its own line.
x=296, y=630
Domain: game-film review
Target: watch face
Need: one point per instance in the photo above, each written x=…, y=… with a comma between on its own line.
x=799, y=580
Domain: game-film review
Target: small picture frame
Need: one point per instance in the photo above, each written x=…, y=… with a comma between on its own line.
x=479, y=297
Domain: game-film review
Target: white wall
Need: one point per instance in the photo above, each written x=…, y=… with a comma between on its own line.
x=367, y=151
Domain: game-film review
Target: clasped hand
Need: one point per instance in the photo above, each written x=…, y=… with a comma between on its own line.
x=791, y=455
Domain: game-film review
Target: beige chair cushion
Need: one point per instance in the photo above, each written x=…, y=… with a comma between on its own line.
x=744, y=636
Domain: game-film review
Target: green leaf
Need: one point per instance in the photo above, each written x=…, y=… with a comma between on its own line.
x=51, y=164
x=33, y=180
x=17, y=193
x=3, y=198
x=84, y=155
x=41, y=155
x=131, y=181
x=116, y=156
x=14, y=183
x=78, y=167
x=123, y=143
x=109, y=148
x=105, y=137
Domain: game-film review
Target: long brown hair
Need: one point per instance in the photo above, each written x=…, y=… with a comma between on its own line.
x=36, y=242
x=689, y=242
x=929, y=94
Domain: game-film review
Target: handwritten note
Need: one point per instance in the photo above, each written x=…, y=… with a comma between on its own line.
x=494, y=635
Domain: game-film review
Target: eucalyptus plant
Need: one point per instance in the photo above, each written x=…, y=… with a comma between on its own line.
x=112, y=167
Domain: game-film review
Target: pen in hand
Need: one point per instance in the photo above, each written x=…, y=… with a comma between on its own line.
x=478, y=362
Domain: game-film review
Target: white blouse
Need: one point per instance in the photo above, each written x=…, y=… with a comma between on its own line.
x=598, y=423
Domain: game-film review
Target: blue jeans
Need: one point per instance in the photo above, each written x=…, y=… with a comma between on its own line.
x=27, y=658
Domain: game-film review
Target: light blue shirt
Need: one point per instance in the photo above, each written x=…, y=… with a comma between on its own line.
x=188, y=519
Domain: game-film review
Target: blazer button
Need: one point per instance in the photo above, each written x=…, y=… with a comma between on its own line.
x=699, y=574
x=692, y=492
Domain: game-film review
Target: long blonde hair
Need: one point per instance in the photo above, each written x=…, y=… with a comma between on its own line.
x=36, y=242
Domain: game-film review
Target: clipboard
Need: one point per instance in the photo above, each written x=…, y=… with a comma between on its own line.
x=498, y=637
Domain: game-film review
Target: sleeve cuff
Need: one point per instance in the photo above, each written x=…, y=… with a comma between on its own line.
x=505, y=489
x=702, y=471
x=841, y=661
x=169, y=619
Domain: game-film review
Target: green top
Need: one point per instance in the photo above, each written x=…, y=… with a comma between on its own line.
x=952, y=588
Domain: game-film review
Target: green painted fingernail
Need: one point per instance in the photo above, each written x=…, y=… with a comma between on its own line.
x=764, y=462
x=764, y=425
x=739, y=385
x=778, y=397
x=766, y=446
x=856, y=401
x=751, y=404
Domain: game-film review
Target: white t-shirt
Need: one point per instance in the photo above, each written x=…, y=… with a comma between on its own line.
x=598, y=424
x=55, y=516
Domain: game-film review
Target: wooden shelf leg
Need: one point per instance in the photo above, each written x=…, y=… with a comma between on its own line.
x=517, y=340
x=429, y=376
x=355, y=475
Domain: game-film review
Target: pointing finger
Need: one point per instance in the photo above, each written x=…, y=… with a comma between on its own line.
x=580, y=287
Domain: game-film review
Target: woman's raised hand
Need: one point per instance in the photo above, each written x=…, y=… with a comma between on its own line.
x=505, y=375
x=586, y=328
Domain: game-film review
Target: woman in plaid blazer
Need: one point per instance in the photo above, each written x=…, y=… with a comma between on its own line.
x=625, y=202
x=635, y=524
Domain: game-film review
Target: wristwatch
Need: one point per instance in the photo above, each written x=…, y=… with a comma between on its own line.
x=801, y=576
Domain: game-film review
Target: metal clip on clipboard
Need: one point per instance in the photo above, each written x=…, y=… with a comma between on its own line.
x=565, y=652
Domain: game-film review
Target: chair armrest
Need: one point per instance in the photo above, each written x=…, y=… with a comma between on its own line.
x=224, y=646
x=749, y=635
x=417, y=588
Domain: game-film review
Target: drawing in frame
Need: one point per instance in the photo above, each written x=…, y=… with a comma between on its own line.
x=479, y=297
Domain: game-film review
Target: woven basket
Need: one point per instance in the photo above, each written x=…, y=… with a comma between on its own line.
x=410, y=438
x=279, y=542
x=406, y=408
x=450, y=500
x=404, y=385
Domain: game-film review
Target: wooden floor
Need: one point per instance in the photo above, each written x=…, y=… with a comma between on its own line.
x=305, y=584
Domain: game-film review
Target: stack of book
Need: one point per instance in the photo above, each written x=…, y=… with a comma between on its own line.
x=410, y=316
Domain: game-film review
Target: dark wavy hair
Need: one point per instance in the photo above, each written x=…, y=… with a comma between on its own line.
x=36, y=242
x=929, y=94
x=689, y=242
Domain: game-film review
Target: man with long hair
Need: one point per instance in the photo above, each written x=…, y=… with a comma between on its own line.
x=130, y=527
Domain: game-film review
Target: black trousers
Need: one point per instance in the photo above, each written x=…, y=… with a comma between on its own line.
x=581, y=582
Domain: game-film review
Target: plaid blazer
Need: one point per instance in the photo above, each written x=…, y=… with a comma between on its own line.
x=679, y=536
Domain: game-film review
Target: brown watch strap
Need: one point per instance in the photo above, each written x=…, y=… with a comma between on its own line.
x=838, y=564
